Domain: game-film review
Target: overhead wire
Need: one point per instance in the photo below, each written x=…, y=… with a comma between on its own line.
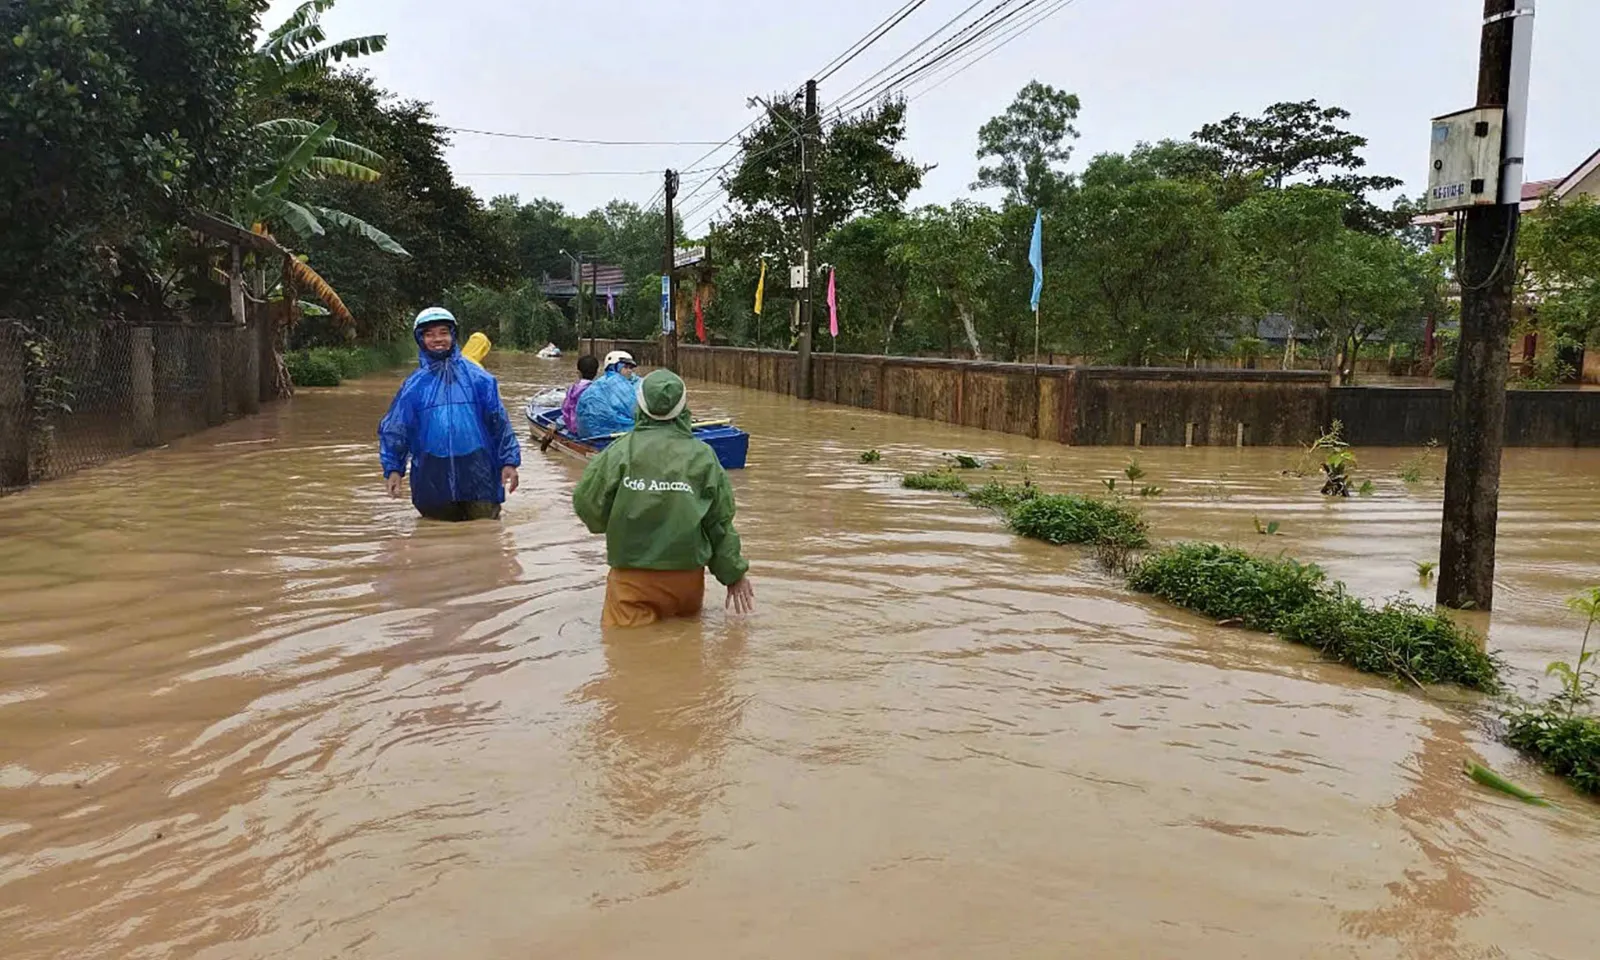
x=579, y=140
x=861, y=46
x=1000, y=43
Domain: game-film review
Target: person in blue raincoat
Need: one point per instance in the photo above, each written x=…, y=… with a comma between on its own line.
x=449, y=426
x=607, y=406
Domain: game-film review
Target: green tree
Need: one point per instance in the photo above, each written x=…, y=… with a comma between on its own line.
x=948, y=255
x=1143, y=267
x=859, y=170
x=1302, y=141
x=298, y=50
x=1287, y=239
x=115, y=115
x=1369, y=285
x=872, y=280
x=1027, y=143
x=1560, y=252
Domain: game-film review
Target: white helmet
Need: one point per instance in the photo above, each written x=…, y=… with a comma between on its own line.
x=618, y=356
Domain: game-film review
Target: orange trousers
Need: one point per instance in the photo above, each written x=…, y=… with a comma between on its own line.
x=636, y=598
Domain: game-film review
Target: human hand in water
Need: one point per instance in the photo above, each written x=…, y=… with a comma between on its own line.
x=742, y=598
x=393, y=482
x=509, y=479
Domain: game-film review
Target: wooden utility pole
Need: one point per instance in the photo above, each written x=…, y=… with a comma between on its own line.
x=1488, y=268
x=807, y=239
x=669, y=319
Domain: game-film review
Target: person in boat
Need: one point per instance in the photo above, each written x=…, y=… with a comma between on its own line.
x=588, y=368
x=606, y=406
x=666, y=508
x=448, y=425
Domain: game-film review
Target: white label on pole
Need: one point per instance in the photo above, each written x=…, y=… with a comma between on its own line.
x=666, y=304
x=797, y=277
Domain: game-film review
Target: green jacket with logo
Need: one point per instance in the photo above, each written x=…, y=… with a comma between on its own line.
x=663, y=502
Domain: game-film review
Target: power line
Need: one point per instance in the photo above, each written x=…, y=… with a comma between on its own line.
x=991, y=22
x=579, y=173
x=599, y=143
x=860, y=46
x=920, y=44
x=1000, y=42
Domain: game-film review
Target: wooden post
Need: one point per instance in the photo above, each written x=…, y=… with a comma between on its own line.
x=142, y=380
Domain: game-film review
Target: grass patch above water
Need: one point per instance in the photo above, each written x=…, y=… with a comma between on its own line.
x=1063, y=518
x=1568, y=745
x=1400, y=640
x=941, y=480
x=1227, y=583
x=1003, y=497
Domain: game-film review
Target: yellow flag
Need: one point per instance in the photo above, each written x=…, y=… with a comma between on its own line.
x=761, y=285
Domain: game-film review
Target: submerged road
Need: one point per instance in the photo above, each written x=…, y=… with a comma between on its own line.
x=252, y=708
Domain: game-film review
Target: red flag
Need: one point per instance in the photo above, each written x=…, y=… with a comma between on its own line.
x=699, y=319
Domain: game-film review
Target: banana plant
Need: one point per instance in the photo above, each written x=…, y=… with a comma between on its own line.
x=298, y=49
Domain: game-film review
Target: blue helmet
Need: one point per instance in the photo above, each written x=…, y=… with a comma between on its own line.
x=434, y=315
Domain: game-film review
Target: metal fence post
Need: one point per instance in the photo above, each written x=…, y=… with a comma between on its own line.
x=142, y=377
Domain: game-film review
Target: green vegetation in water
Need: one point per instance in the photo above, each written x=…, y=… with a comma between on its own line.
x=941, y=480
x=1368, y=488
x=1150, y=490
x=1567, y=745
x=963, y=461
x=1400, y=640
x=1416, y=469
x=1489, y=778
x=1133, y=471
x=1577, y=680
x=871, y=456
x=1111, y=484
x=1269, y=529
x=1425, y=569
x=1004, y=497
x=330, y=366
x=1063, y=518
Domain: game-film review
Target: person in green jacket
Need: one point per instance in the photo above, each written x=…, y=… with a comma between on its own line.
x=666, y=508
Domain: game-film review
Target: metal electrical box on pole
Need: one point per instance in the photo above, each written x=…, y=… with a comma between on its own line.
x=1464, y=159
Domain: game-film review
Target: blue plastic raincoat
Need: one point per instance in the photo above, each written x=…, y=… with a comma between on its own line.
x=607, y=406
x=447, y=421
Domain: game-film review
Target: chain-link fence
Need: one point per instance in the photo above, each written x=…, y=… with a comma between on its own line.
x=74, y=397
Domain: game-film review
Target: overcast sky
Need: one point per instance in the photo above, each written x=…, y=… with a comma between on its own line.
x=1145, y=69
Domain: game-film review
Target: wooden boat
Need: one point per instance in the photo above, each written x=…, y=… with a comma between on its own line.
x=730, y=444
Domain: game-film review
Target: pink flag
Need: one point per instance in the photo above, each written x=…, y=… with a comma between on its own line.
x=833, y=303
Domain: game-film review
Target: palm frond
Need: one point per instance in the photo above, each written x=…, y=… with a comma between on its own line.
x=286, y=128
x=298, y=159
x=312, y=281
x=285, y=46
x=306, y=13
x=348, y=49
x=343, y=170
x=349, y=150
x=300, y=220
x=361, y=228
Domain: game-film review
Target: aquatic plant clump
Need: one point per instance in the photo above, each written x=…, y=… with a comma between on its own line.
x=1400, y=640
x=1567, y=745
x=1062, y=518
x=941, y=480
x=1003, y=497
x=1229, y=584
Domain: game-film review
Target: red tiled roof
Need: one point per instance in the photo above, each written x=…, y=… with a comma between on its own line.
x=1536, y=189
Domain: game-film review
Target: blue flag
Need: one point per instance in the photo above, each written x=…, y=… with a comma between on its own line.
x=1036, y=257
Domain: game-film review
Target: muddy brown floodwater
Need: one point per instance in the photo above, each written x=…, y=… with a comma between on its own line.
x=251, y=708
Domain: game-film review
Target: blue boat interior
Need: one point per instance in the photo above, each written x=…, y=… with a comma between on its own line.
x=730, y=444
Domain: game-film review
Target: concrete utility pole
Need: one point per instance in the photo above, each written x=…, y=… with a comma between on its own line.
x=1477, y=415
x=669, y=319
x=807, y=239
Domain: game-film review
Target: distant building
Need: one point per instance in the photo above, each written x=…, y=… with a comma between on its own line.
x=599, y=278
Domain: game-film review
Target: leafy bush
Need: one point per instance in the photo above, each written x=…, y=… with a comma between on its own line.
x=1401, y=639
x=1568, y=746
x=313, y=368
x=941, y=480
x=1229, y=584
x=1062, y=518
x=1003, y=496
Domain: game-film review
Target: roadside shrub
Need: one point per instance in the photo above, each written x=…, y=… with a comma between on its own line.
x=942, y=480
x=1567, y=745
x=1401, y=640
x=1062, y=518
x=312, y=368
x=1227, y=583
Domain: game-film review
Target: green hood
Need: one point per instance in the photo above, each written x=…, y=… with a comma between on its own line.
x=662, y=402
